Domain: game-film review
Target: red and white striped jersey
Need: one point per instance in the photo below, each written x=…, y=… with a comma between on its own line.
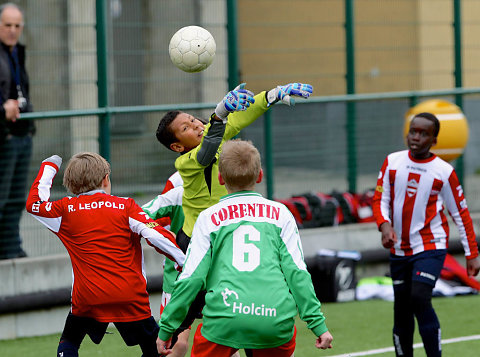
x=411, y=194
x=102, y=235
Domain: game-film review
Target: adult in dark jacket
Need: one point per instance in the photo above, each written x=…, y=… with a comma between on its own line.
x=15, y=135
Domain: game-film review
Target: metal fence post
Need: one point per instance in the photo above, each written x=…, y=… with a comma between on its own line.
x=351, y=105
x=457, y=30
x=269, y=163
x=233, y=77
x=102, y=81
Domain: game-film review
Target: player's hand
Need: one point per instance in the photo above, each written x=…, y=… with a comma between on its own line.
x=236, y=100
x=163, y=347
x=285, y=93
x=389, y=236
x=324, y=341
x=473, y=266
x=54, y=159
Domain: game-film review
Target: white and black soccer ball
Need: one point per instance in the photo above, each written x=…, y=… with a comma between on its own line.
x=192, y=49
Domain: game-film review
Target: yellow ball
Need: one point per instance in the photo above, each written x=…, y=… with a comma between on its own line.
x=453, y=135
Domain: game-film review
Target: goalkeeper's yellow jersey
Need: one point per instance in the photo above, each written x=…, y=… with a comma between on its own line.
x=200, y=183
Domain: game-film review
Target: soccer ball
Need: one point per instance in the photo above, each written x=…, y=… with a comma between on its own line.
x=192, y=49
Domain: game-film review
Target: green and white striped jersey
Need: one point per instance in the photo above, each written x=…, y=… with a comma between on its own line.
x=247, y=254
x=168, y=204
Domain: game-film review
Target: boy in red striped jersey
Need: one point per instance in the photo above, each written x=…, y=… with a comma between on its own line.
x=412, y=189
x=101, y=233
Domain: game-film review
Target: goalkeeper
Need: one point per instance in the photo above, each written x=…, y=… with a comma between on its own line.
x=200, y=145
x=246, y=253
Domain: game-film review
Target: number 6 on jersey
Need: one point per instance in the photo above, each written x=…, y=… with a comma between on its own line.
x=246, y=256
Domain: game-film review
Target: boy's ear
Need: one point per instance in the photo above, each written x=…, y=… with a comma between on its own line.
x=434, y=141
x=260, y=176
x=220, y=179
x=105, y=181
x=177, y=147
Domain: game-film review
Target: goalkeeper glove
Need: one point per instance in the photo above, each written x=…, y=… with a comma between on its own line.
x=54, y=159
x=236, y=100
x=285, y=93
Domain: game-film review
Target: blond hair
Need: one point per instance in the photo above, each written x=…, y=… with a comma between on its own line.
x=85, y=172
x=239, y=165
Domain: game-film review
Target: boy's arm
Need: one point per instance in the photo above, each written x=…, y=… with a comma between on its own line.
x=238, y=99
x=457, y=206
x=284, y=93
x=381, y=208
x=166, y=209
x=189, y=283
x=47, y=213
x=211, y=141
x=158, y=237
x=298, y=279
x=381, y=198
x=164, y=205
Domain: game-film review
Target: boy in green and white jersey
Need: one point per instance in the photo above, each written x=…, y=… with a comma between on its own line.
x=246, y=253
x=169, y=205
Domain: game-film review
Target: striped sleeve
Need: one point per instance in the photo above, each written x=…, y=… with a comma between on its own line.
x=156, y=236
x=457, y=207
x=381, y=199
x=38, y=204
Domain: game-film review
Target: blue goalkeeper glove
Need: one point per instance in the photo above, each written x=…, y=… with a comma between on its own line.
x=285, y=93
x=236, y=100
x=54, y=159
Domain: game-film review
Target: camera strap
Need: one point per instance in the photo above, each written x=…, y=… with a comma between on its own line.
x=15, y=68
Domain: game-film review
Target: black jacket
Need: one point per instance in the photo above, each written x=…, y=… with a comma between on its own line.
x=8, y=91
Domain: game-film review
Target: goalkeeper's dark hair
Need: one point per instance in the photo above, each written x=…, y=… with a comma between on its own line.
x=432, y=118
x=164, y=132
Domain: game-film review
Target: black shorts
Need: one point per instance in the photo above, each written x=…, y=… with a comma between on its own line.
x=141, y=332
x=424, y=267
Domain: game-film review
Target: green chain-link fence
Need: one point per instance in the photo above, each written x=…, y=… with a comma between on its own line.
x=363, y=46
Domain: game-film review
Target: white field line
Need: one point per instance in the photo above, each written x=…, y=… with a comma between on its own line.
x=417, y=345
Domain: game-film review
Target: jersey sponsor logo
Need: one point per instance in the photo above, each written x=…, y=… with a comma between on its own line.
x=412, y=187
x=244, y=308
x=415, y=168
x=379, y=189
x=245, y=210
x=95, y=205
x=226, y=293
x=48, y=206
